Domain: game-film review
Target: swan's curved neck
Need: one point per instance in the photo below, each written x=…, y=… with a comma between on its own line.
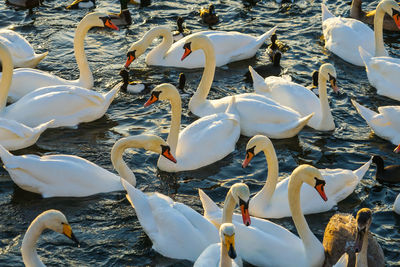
x=85, y=74
x=118, y=162
x=229, y=206
x=160, y=51
x=308, y=238
x=380, y=50
x=362, y=256
x=6, y=77
x=326, y=115
x=355, y=10
x=204, y=87
x=273, y=172
x=28, y=247
x=225, y=260
x=176, y=111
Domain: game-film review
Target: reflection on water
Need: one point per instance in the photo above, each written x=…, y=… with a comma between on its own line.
x=106, y=224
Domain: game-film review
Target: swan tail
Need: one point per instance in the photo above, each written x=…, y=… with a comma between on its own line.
x=365, y=56
x=112, y=93
x=209, y=205
x=261, y=39
x=303, y=121
x=140, y=203
x=42, y=127
x=366, y=113
x=31, y=63
x=6, y=157
x=360, y=172
x=232, y=111
x=259, y=83
x=326, y=14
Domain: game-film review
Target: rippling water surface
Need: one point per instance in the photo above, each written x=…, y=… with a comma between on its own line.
x=106, y=224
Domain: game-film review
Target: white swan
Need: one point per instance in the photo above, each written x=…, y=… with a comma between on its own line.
x=72, y=176
x=385, y=124
x=15, y=135
x=396, y=205
x=281, y=122
x=229, y=47
x=67, y=105
x=222, y=254
x=343, y=36
x=300, y=98
x=272, y=200
x=37, y=78
x=201, y=143
x=383, y=74
x=50, y=219
x=267, y=244
x=176, y=230
x=21, y=50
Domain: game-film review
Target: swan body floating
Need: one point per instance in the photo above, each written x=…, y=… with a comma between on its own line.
x=383, y=74
x=346, y=234
x=281, y=122
x=262, y=243
x=229, y=47
x=356, y=12
x=15, y=135
x=37, y=78
x=176, y=230
x=300, y=98
x=221, y=254
x=385, y=124
x=122, y=18
x=203, y=142
x=343, y=36
x=272, y=200
x=72, y=176
x=82, y=4
x=22, y=53
x=50, y=219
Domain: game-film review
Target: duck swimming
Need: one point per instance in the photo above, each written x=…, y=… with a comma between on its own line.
x=208, y=15
x=388, y=174
x=123, y=18
x=181, y=32
x=82, y=4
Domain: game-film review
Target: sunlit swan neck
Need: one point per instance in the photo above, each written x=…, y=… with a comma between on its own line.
x=380, y=50
x=273, y=172
x=229, y=206
x=85, y=74
x=159, y=52
x=203, y=89
x=116, y=156
x=308, y=238
x=28, y=247
x=6, y=78
x=326, y=115
x=176, y=111
x=362, y=256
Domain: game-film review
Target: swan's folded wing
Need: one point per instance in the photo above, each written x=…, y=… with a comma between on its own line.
x=392, y=116
x=209, y=257
x=15, y=127
x=89, y=95
x=17, y=44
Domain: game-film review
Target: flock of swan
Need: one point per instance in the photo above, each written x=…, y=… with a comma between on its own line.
x=276, y=109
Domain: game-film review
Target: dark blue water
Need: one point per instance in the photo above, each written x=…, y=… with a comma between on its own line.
x=106, y=224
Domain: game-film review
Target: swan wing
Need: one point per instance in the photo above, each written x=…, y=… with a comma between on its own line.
x=392, y=116
x=16, y=44
x=15, y=128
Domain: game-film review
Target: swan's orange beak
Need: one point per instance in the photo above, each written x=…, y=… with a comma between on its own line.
x=186, y=53
x=319, y=186
x=249, y=157
x=397, y=149
x=111, y=25
x=166, y=152
x=130, y=58
x=67, y=231
x=244, y=208
x=153, y=98
x=396, y=17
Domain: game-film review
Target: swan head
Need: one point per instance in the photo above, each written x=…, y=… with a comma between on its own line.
x=227, y=235
x=195, y=43
x=391, y=8
x=329, y=73
x=311, y=176
x=56, y=221
x=97, y=19
x=241, y=194
x=165, y=91
x=364, y=220
x=158, y=145
x=255, y=145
